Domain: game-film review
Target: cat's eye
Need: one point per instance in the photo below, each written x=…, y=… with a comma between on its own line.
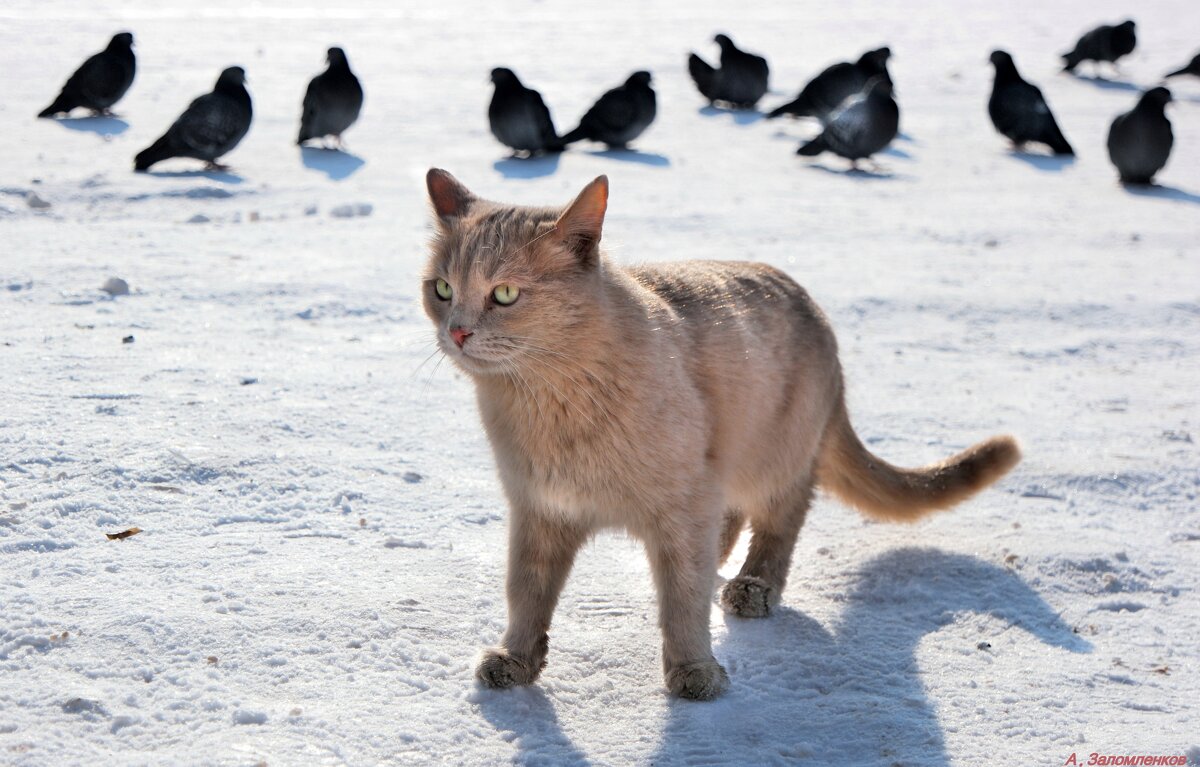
x=506, y=294
x=443, y=289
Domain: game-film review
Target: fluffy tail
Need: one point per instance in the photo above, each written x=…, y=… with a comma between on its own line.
x=61, y=104
x=892, y=494
x=157, y=152
x=703, y=74
x=1071, y=60
x=814, y=147
x=1058, y=142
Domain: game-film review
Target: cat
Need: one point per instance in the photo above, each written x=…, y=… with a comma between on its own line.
x=677, y=401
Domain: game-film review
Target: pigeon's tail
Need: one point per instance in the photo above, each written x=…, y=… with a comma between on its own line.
x=814, y=147
x=1057, y=141
x=61, y=104
x=703, y=74
x=1185, y=71
x=893, y=494
x=157, y=152
x=798, y=108
x=1070, y=61
x=579, y=134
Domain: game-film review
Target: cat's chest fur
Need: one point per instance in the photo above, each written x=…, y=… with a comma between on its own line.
x=591, y=444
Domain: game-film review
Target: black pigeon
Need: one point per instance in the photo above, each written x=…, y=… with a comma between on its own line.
x=1192, y=68
x=825, y=92
x=1104, y=43
x=1019, y=111
x=740, y=81
x=621, y=114
x=1139, y=141
x=519, y=118
x=864, y=124
x=100, y=81
x=211, y=126
x=332, y=101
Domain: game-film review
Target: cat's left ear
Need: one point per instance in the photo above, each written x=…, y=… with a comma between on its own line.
x=580, y=225
x=449, y=197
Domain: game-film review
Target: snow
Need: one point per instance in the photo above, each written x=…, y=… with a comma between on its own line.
x=323, y=534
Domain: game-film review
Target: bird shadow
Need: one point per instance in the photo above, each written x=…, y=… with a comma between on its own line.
x=101, y=126
x=633, y=155
x=220, y=176
x=1047, y=162
x=895, y=151
x=535, y=166
x=1162, y=192
x=739, y=116
x=337, y=164
x=860, y=674
x=902, y=136
x=880, y=174
x=1107, y=84
x=795, y=680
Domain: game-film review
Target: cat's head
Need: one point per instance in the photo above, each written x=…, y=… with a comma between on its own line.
x=509, y=286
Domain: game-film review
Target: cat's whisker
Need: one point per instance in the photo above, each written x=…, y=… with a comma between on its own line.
x=432, y=373
x=417, y=369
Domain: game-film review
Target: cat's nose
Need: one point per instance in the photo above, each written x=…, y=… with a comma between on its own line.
x=460, y=336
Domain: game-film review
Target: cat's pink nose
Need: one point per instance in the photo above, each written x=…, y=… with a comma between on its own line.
x=460, y=336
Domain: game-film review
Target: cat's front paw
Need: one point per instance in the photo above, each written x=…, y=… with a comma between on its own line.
x=747, y=597
x=703, y=680
x=499, y=670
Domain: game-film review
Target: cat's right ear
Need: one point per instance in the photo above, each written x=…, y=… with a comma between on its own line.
x=449, y=197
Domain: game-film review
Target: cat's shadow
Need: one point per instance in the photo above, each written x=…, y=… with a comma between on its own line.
x=847, y=693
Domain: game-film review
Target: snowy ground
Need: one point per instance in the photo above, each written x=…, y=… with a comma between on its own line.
x=324, y=534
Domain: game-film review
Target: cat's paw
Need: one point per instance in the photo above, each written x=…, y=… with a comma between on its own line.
x=747, y=597
x=499, y=670
x=703, y=680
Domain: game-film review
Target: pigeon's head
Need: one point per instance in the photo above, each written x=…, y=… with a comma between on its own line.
x=641, y=79
x=1127, y=25
x=503, y=76
x=876, y=59
x=1001, y=59
x=121, y=41
x=335, y=55
x=232, y=77
x=723, y=40
x=1157, y=97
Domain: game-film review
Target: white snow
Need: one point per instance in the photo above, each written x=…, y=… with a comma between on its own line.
x=323, y=534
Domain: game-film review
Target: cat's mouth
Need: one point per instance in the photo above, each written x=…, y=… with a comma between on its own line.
x=474, y=357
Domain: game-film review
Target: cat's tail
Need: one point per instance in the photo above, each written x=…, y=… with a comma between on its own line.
x=892, y=494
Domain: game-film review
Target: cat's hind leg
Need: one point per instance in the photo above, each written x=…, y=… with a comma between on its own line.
x=541, y=550
x=774, y=529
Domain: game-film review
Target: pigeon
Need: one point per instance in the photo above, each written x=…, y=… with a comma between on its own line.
x=100, y=81
x=519, y=118
x=332, y=101
x=864, y=124
x=1139, y=141
x=621, y=114
x=1192, y=68
x=740, y=81
x=211, y=126
x=1104, y=43
x=1019, y=111
x=825, y=92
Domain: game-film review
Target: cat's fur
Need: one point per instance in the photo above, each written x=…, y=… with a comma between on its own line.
x=677, y=401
